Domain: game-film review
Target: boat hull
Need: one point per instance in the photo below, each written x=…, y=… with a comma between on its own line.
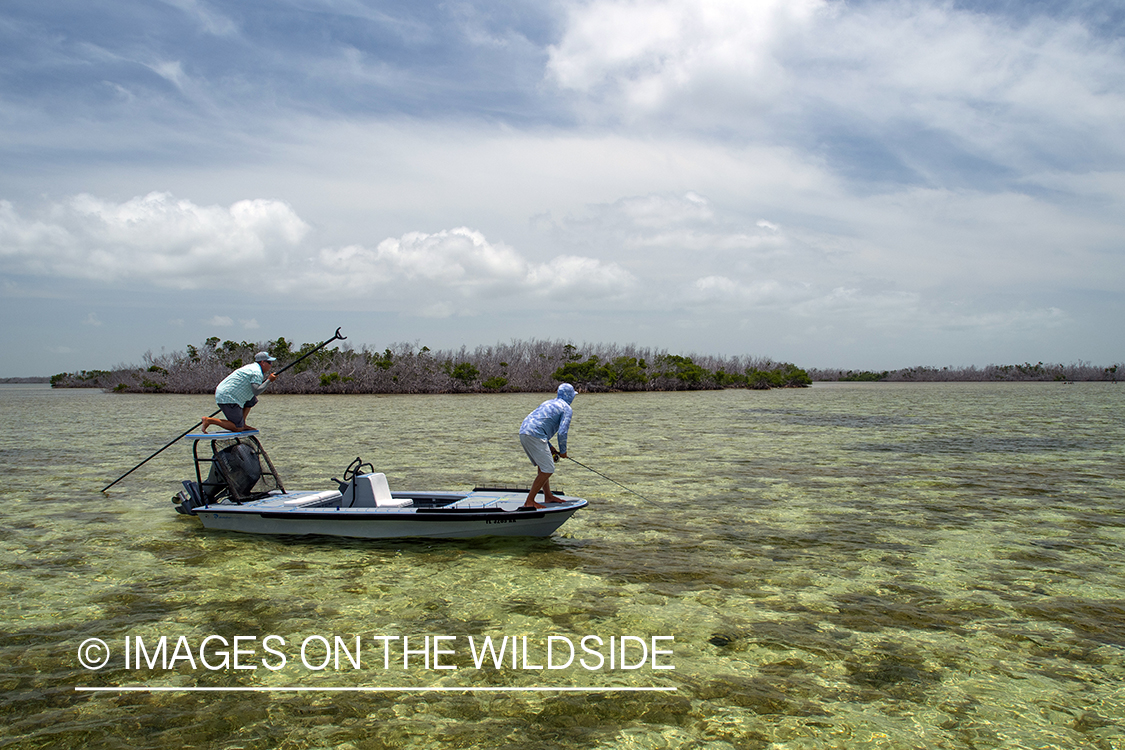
x=466, y=519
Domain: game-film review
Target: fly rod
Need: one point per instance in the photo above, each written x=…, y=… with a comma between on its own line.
x=558, y=455
x=197, y=424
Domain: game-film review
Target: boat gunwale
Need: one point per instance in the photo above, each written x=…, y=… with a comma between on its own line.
x=458, y=515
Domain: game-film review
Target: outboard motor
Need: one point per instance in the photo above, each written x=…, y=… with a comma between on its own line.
x=189, y=498
x=238, y=473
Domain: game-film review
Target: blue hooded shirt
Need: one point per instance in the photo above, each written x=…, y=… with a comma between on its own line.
x=551, y=417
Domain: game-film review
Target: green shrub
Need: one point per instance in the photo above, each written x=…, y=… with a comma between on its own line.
x=464, y=372
x=495, y=383
x=864, y=376
x=783, y=376
x=384, y=362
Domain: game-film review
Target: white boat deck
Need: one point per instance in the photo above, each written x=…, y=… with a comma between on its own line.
x=327, y=500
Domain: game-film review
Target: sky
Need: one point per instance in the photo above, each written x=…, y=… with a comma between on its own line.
x=868, y=184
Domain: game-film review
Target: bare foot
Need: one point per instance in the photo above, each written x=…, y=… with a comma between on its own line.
x=531, y=506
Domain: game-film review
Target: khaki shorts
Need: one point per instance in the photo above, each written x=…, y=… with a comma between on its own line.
x=539, y=452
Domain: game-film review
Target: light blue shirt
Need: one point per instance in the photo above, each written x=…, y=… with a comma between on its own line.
x=238, y=387
x=551, y=417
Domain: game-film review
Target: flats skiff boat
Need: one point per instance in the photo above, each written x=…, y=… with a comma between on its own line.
x=237, y=488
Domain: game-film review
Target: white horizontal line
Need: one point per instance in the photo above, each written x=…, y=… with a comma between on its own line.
x=296, y=689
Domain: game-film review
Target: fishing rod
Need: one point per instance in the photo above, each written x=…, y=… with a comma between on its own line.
x=197, y=424
x=557, y=455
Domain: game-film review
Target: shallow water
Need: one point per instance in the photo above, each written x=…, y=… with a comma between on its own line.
x=851, y=565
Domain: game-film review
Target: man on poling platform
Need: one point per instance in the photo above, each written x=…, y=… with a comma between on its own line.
x=239, y=391
x=538, y=428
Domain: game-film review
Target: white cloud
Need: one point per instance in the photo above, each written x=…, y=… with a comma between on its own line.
x=893, y=309
x=456, y=257
x=652, y=211
x=175, y=243
x=250, y=325
x=153, y=239
x=171, y=71
x=91, y=320
x=646, y=55
x=209, y=20
x=723, y=291
x=573, y=277
x=457, y=260
x=681, y=224
x=898, y=75
x=455, y=271
x=220, y=321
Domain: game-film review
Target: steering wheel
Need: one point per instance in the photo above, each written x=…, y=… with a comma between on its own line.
x=355, y=467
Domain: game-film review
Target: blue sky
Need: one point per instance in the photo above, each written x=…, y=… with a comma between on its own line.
x=867, y=184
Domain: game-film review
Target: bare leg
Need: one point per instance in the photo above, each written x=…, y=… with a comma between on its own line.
x=547, y=496
x=542, y=482
x=226, y=424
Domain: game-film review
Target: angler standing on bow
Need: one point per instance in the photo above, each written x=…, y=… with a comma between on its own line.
x=549, y=418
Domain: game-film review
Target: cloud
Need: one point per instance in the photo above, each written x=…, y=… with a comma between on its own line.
x=167, y=242
x=455, y=271
x=665, y=210
x=895, y=309
x=921, y=91
x=207, y=19
x=916, y=259
x=645, y=56
x=151, y=239
x=171, y=71
x=571, y=277
x=861, y=259
x=742, y=294
x=91, y=320
x=686, y=223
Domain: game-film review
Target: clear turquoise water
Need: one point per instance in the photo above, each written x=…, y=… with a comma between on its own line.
x=851, y=565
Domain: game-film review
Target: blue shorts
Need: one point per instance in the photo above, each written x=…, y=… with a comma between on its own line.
x=538, y=450
x=233, y=412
